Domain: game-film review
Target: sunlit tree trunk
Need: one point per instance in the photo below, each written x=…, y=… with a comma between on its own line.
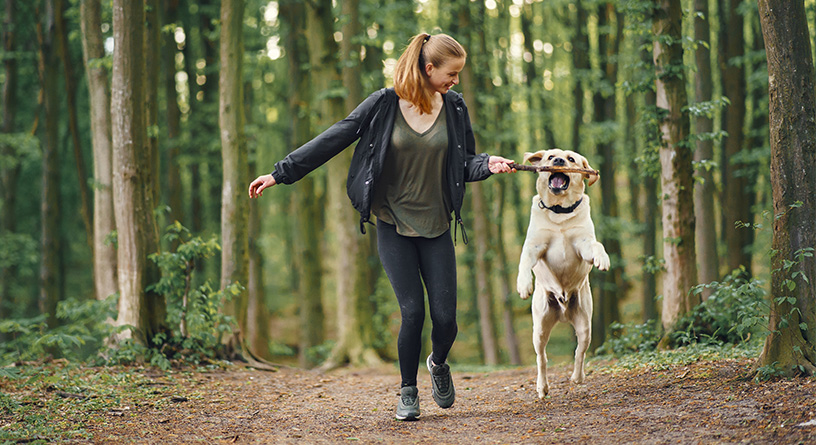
x=676, y=167
x=791, y=345
x=132, y=179
x=50, y=249
x=306, y=204
x=738, y=192
x=234, y=204
x=705, y=232
x=580, y=62
x=105, y=281
x=354, y=267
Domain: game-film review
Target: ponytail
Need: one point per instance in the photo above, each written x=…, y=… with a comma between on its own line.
x=410, y=78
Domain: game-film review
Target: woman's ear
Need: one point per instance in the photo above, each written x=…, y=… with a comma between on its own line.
x=429, y=69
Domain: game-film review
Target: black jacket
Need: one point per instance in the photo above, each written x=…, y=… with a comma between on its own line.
x=372, y=123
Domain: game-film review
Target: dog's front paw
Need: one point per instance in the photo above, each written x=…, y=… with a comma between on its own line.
x=600, y=258
x=542, y=389
x=524, y=285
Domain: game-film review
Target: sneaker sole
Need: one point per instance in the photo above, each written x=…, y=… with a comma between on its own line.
x=407, y=418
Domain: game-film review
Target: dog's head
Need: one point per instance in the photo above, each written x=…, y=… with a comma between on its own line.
x=562, y=189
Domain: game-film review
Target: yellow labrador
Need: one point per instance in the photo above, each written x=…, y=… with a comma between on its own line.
x=560, y=249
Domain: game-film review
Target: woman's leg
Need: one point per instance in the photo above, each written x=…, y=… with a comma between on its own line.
x=399, y=257
x=437, y=263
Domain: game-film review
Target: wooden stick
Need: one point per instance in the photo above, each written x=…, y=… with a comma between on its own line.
x=546, y=168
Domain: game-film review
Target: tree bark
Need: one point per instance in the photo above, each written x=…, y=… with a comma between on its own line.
x=50, y=243
x=152, y=51
x=105, y=280
x=8, y=174
x=676, y=166
x=791, y=344
x=737, y=190
x=705, y=233
x=306, y=204
x=132, y=180
x=234, y=205
x=173, y=117
x=355, y=266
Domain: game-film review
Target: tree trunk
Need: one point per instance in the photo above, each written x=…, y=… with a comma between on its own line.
x=234, y=204
x=306, y=210
x=50, y=245
x=105, y=281
x=132, y=180
x=8, y=174
x=610, y=289
x=354, y=265
x=73, y=125
x=580, y=62
x=791, y=343
x=705, y=232
x=152, y=51
x=737, y=190
x=173, y=117
x=676, y=167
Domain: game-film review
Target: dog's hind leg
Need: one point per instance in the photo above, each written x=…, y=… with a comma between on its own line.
x=542, y=327
x=582, y=322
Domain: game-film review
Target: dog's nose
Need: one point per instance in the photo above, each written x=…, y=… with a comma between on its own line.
x=559, y=162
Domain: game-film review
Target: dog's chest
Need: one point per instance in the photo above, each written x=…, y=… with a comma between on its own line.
x=564, y=262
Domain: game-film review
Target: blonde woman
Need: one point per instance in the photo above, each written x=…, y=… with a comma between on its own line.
x=415, y=152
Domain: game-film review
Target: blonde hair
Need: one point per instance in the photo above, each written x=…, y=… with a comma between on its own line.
x=410, y=78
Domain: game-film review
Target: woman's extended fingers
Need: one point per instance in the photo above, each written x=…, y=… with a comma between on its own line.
x=259, y=184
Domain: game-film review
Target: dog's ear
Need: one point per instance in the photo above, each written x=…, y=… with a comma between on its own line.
x=533, y=158
x=592, y=179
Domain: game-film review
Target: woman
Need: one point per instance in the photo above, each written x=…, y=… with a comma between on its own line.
x=415, y=152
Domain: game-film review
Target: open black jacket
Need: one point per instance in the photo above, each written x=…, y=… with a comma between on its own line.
x=372, y=123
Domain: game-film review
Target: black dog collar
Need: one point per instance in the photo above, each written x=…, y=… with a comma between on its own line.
x=559, y=209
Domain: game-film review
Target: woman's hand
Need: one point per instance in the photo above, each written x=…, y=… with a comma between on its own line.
x=498, y=164
x=258, y=185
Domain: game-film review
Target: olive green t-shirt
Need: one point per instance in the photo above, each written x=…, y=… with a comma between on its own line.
x=411, y=193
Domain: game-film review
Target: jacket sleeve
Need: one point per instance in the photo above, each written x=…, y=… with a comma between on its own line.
x=476, y=166
x=326, y=145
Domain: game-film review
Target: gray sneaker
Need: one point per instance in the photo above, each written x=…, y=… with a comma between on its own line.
x=442, y=384
x=408, y=405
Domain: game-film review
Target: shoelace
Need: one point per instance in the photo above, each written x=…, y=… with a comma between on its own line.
x=441, y=377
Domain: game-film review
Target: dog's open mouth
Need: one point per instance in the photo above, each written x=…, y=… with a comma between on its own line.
x=559, y=182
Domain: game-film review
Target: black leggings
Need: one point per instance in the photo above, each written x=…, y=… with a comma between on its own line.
x=408, y=262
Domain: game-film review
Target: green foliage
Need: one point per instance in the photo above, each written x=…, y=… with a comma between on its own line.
x=735, y=311
x=630, y=338
x=80, y=335
x=193, y=311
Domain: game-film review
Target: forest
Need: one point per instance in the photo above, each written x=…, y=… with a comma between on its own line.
x=131, y=130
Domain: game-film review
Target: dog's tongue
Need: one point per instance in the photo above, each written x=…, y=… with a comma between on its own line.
x=558, y=181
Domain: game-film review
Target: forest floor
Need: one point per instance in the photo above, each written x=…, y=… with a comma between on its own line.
x=702, y=402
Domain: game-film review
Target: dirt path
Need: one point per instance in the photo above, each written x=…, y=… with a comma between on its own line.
x=707, y=402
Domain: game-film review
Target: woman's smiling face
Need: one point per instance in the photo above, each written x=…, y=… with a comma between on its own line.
x=444, y=77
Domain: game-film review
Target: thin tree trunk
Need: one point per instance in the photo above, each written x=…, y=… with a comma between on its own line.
x=50, y=263
x=173, y=179
x=234, y=205
x=791, y=343
x=737, y=190
x=132, y=180
x=8, y=174
x=152, y=47
x=676, y=167
x=105, y=280
x=73, y=125
x=704, y=190
x=580, y=61
x=305, y=203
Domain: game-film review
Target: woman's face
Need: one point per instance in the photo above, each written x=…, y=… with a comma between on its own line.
x=443, y=77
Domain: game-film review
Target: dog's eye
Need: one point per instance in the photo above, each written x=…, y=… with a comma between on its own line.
x=550, y=158
x=571, y=159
